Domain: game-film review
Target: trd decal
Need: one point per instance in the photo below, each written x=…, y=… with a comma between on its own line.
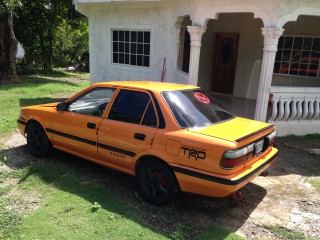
x=191, y=152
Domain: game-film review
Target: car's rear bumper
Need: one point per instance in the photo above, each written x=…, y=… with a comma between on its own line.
x=206, y=183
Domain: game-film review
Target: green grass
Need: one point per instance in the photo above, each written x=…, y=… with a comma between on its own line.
x=69, y=209
x=9, y=218
x=285, y=233
x=316, y=184
x=36, y=89
x=217, y=233
x=314, y=136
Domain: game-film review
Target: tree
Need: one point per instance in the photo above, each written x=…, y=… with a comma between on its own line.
x=8, y=42
x=71, y=42
x=49, y=31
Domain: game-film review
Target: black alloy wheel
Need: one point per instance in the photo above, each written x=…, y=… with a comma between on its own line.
x=37, y=141
x=156, y=182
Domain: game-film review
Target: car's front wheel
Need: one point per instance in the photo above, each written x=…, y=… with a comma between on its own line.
x=37, y=140
x=156, y=182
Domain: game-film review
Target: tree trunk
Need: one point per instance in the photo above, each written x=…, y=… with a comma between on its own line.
x=8, y=49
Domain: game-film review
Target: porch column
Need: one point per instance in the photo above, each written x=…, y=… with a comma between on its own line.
x=176, y=31
x=271, y=38
x=196, y=33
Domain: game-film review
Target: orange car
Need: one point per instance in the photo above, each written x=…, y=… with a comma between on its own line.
x=170, y=136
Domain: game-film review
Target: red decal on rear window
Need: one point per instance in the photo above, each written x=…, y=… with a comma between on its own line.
x=202, y=98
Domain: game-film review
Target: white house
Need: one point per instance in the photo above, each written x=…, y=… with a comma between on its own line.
x=268, y=51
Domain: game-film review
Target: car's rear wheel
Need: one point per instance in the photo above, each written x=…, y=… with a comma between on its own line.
x=156, y=182
x=37, y=140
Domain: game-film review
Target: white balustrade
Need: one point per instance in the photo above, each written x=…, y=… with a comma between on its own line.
x=300, y=104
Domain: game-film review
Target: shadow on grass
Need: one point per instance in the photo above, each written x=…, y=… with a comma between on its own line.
x=74, y=176
x=34, y=81
x=34, y=101
x=55, y=72
x=190, y=213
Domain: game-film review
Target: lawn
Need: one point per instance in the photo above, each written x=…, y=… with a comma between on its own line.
x=63, y=197
x=316, y=183
x=36, y=89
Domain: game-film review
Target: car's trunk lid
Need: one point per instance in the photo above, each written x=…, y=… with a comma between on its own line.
x=236, y=129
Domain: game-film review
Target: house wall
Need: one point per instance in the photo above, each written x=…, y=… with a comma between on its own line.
x=249, y=52
x=160, y=17
x=304, y=26
x=102, y=21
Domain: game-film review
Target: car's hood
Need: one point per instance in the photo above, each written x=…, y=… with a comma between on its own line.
x=47, y=105
x=233, y=130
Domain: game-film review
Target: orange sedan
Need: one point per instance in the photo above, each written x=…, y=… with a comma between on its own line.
x=172, y=137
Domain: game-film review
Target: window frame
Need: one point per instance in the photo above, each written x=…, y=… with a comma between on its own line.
x=132, y=29
x=82, y=94
x=151, y=101
x=290, y=62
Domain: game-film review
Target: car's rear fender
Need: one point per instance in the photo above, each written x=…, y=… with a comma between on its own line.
x=150, y=154
x=209, y=184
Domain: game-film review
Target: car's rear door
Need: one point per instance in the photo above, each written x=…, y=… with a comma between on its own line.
x=75, y=129
x=128, y=129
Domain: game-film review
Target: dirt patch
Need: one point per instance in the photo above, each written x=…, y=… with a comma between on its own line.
x=12, y=159
x=23, y=203
x=284, y=199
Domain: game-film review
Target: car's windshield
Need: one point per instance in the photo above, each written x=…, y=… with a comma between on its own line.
x=195, y=108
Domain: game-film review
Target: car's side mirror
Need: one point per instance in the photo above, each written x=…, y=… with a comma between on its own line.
x=62, y=106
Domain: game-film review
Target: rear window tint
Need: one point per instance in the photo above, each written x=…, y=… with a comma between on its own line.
x=195, y=108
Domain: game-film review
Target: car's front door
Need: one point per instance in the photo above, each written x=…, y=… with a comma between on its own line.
x=74, y=130
x=128, y=129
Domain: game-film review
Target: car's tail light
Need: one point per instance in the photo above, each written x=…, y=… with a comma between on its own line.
x=271, y=138
x=234, y=158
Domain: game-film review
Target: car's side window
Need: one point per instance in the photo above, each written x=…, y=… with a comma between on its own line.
x=133, y=107
x=93, y=102
x=150, y=117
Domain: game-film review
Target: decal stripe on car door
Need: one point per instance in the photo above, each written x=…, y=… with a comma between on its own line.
x=100, y=145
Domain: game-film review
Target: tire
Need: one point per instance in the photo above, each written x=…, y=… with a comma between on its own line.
x=37, y=141
x=156, y=182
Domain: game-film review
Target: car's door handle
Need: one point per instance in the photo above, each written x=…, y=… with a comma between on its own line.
x=140, y=136
x=91, y=125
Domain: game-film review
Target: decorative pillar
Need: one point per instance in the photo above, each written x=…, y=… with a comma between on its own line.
x=176, y=31
x=181, y=49
x=196, y=33
x=271, y=38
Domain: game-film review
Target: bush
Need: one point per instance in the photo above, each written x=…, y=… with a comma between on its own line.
x=26, y=69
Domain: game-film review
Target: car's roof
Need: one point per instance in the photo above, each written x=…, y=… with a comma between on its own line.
x=148, y=85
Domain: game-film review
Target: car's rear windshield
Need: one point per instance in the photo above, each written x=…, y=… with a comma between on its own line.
x=195, y=108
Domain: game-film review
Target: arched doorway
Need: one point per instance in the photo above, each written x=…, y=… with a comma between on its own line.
x=231, y=55
x=184, y=53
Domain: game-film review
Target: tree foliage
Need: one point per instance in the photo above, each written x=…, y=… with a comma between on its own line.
x=8, y=5
x=51, y=32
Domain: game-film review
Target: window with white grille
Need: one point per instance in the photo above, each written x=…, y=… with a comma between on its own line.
x=298, y=56
x=131, y=47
